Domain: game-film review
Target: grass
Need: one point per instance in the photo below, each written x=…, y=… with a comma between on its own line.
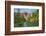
x=19, y=21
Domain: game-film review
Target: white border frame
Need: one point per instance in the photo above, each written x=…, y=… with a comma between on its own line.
x=26, y=28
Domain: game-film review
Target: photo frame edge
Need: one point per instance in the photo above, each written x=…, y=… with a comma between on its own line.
x=6, y=31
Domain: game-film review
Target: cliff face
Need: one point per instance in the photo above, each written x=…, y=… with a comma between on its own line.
x=22, y=15
x=25, y=15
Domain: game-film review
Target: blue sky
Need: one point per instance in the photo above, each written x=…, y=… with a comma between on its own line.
x=23, y=10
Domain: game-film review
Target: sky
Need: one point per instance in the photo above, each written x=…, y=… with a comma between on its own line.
x=23, y=10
